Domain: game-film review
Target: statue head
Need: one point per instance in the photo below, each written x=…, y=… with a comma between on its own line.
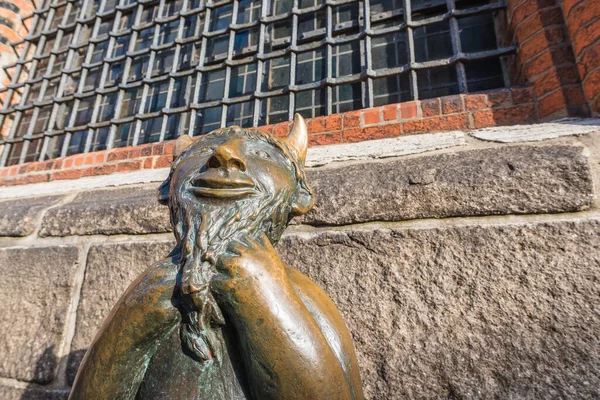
x=234, y=179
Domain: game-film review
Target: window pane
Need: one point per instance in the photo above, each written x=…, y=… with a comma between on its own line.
x=213, y=86
x=243, y=80
x=437, y=82
x=207, y=120
x=310, y=67
x=277, y=73
x=240, y=114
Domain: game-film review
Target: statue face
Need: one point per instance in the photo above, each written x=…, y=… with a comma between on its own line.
x=229, y=166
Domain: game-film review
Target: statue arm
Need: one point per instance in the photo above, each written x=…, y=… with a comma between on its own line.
x=115, y=363
x=285, y=353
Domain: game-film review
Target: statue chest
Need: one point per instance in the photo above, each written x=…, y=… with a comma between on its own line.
x=173, y=374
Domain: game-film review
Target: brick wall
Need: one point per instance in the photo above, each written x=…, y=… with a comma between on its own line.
x=545, y=58
x=460, y=112
x=583, y=25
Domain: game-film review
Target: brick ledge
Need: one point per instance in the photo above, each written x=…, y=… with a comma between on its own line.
x=458, y=112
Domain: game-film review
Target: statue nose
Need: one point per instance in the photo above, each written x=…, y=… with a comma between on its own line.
x=227, y=155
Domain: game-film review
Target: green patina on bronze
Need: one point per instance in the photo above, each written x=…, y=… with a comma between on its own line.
x=222, y=317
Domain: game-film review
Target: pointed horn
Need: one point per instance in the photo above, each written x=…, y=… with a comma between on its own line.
x=182, y=143
x=298, y=138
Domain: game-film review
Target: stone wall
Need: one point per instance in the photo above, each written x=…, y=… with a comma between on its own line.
x=469, y=272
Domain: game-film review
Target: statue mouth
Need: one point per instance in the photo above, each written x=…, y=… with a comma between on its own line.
x=216, y=186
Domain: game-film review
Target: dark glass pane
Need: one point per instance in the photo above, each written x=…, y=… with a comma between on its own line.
x=477, y=33
x=346, y=59
x=390, y=90
x=389, y=51
x=484, y=75
x=347, y=98
x=433, y=42
x=207, y=120
x=243, y=80
x=277, y=73
x=213, y=86
x=311, y=103
x=240, y=114
x=310, y=67
x=437, y=82
x=150, y=131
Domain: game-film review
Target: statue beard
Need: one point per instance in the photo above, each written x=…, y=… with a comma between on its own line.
x=203, y=232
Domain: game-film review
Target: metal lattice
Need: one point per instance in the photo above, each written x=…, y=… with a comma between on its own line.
x=95, y=75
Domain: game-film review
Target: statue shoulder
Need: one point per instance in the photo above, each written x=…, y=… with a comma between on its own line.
x=331, y=323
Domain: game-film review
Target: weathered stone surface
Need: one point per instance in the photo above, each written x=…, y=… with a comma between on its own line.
x=520, y=179
x=109, y=271
x=19, y=217
x=466, y=312
x=35, y=291
x=32, y=393
x=537, y=132
x=128, y=210
x=383, y=148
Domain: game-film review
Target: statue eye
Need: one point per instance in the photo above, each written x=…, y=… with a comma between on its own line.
x=262, y=154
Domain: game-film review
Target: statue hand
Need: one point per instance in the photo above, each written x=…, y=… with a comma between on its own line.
x=254, y=264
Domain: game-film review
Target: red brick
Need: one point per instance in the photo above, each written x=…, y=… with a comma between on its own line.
x=591, y=85
x=552, y=103
x=68, y=174
x=371, y=116
x=569, y=4
x=283, y=129
x=89, y=159
x=145, y=150
x=540, y=20
x=68, y=163
x=540, y=42
x=268, y=129
x=452, y=104
x=525, y=9
x=522, y=95
x=351, y=119
x=474, y=102
x=547, y=59
x=371, y=133
x=106, y=169
x=483, y=119
x=135, y=152
x=431, y=107
x=13, y=170
x=168, y=149
x=596, y=104
x=157, y=149
x=390, y=112
x=588, y=59
x=408, y=110
x=148, y=162
x=582, y=15
x=414, y=126
x=47, y=165
x=499, y=98
x=554, y=79
x=4, y=172
x=436, y=124
x=78, y=160
x=118, y=154
x=505, y=116
x=35, y=178
x=131, y=165
x=586, y=36
x=325, y=138
x=163, y=162
x=58, y=164
x=316, y=125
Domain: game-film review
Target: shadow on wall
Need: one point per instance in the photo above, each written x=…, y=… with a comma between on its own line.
x=45, y=369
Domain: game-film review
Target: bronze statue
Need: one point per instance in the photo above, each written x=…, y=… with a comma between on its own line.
x=222, y=317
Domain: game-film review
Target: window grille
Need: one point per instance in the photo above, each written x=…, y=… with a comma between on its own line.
x=96, y=75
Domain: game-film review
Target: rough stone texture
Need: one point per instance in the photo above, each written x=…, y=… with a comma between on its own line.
x=35, y=291
x=537, y=132
x=19, y=217
x=110, y=270
x=129, y=210
x=32, y=393
x=383, y=148
x=466, y=312
x=520, y=179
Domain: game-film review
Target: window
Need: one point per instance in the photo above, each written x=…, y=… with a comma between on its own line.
x=243, y=80
x=199, y=82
